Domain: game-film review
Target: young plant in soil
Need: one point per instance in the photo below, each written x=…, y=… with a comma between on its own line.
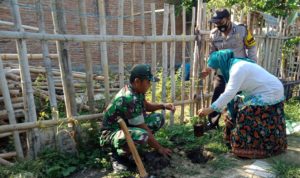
x=199, y=125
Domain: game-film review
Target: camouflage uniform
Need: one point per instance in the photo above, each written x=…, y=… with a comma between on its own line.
x=129, y=106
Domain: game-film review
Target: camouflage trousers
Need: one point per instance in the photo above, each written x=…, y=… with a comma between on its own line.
x=116, y=139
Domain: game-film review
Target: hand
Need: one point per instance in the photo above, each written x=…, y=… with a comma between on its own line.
x=204, y=112
x=170, y=106
x=166, y=152
x=205, y=72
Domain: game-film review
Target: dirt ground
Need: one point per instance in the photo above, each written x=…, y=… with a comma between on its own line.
x=227, y=165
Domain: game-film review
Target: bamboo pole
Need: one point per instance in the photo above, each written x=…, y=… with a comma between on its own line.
x=87, y=54
x=65, y=64
x=6, y=57
x=96, y=38
x=172, y=61
x=196, y=50
x=104, y=59
x=10, y=110
x=47, y=123
x=23, y=26
x=29, y=105
x=132, y=29
x=6, y=163
x=153, y=50
x=47, y=61
x=143, y=30
x=183, y=64
x=121, y=46
x=8, y=155
x=191, y=62
x=165, y=53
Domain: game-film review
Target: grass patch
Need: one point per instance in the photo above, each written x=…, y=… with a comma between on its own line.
x=284, y=169
x=292, y=109
x=182, y=136
x=221, y=163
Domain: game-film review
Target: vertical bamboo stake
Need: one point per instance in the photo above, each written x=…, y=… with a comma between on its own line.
x=153, y=49
x=102, y=23
x=172, y=60
x=196, y=49
x=242, y=17
x=47, y=63
x=249, y=21
x=191, y=62
x=121, y=47
x=132, y=29
x=10, y=110
x=87, y=55
x=47, y=60
x=27, y=91
x=183, y=64
x=165, y=53
x=65, y=64
x=143, y=31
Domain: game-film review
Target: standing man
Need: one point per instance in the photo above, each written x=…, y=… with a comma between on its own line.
x=130, y=104
x=227, y=35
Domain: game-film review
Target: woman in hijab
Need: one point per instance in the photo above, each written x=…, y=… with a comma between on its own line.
x=255, y=127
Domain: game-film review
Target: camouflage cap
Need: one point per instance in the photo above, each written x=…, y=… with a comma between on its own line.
x=142, y=71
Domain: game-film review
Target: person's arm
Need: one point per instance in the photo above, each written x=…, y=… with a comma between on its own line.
x=237, y=77
x=250, y=44
x=154, y=143
x=212, y=47
x=150, y=107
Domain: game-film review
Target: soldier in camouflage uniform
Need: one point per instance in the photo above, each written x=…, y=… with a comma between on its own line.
x=227, y=35
x=130, y=105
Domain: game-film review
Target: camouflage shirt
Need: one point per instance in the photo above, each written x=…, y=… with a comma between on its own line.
x=127, y=105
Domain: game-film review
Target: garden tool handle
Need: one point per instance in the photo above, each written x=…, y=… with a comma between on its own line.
x=132, y=148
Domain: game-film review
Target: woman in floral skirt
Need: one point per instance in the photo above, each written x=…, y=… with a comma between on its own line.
x=255, y=126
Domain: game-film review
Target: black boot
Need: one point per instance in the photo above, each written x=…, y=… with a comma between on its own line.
x=122, y=163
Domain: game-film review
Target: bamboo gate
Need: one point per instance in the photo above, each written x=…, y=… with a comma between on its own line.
x=194, y=46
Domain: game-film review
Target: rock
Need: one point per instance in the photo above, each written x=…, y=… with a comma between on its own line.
x=182, y=153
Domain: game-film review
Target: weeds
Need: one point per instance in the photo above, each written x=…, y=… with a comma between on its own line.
x=284, y=169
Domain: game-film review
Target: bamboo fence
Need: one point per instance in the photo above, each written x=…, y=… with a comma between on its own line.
x=194, y=47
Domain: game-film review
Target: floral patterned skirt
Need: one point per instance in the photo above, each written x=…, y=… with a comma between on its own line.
x=258, y=131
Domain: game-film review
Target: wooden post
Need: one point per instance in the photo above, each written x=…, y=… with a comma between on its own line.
x=132, y=29
x=165, y=53
x=87, y=55
x=183, y=64
x=102, y=22
x=29, y=105
x=143, y=31
x=133, y=150
x=191, y=62
x=65, y=64
x=121, y=48
x=10, y=110
x=172, y=61
x=153, y=50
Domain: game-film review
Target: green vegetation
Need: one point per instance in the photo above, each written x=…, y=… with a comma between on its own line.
x=292, y=111
x=182, y=136
x=284, y=169
x=52, y=163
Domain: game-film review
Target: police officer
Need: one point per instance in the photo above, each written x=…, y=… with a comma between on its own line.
x=130, y=104
x=227, y=35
